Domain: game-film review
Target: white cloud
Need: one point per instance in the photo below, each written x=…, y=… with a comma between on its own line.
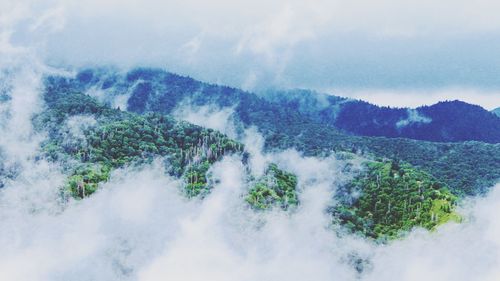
x=468, y=251
x=220, y=119
x=261, y=43
x=413, y=117
x=74, y=130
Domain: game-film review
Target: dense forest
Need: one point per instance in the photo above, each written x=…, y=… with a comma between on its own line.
x=288, y=124
x=447, y=121
x=393, y=198
x=118, y=138
x=275, y=188
x=403, y=184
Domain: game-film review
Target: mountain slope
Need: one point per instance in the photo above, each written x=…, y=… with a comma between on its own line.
x=448, y=121
x=496, y=111
x=283, y=126
x=90, y=140
x=393, y=198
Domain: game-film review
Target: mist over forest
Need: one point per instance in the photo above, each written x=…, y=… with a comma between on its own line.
x=318, y=140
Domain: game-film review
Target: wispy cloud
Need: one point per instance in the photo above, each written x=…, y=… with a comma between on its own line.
x=258, y=44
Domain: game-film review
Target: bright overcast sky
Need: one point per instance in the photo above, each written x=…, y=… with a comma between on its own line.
x=393, y=52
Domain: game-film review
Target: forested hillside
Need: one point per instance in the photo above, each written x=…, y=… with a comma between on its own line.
x=91, y=140
x=392, y=199
x=447, y=121
x=291, y=123
x=107, y=139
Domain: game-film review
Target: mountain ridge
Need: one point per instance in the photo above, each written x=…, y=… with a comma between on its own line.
x=496, y=111
x=110, y=139
x=444, y=121
x=152, y=90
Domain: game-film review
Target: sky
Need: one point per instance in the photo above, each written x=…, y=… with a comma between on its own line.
x=390, y=52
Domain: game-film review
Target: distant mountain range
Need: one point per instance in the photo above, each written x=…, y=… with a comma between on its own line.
x=446, y=121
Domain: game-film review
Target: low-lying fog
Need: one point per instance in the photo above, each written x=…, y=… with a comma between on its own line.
x=139, y=226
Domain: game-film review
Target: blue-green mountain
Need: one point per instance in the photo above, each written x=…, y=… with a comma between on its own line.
x=402, y=183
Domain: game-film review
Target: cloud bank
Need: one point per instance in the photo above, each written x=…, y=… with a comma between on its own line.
x=139, y=227
x=373, y=47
